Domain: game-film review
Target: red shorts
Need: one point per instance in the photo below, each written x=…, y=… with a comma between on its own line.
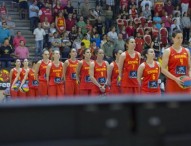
x=43, y=89
x=130, y=90
x=56, y=91
x=71, y=88
x=173, y=88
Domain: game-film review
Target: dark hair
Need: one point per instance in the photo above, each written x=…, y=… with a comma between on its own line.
x=115, y=51
x=44, y=51
x=127, y=41
x=82, y=44
x=174, y=33
x=84, y=51
x=34, y=62
x=96, y=51
x=144, y=52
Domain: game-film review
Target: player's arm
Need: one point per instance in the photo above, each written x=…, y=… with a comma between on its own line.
x=66, y=63
x=92, y=64
x=25, y=77
x=159, y=68
x=121, y=62
x=164, y=70
x=109, y=73
x=10, y=75
x=48, y=72
x=139, y=57
x=17, y=78
x=78, y=68
x=37, y=69
x=140, y=73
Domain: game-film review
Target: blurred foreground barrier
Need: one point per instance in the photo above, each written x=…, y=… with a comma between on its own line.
x=132, y=121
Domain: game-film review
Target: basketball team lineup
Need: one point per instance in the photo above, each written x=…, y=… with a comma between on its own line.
x=127, y=74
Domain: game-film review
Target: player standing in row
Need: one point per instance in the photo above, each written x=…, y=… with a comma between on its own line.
x=40, y=74
x=82, y=74
x=176, y=63
x=70, y=65
x=32, y=82
x=129, y=62
x=113, y=73
x=13, y=74
x=98, y=73
x=54, y=76
x=150, y=72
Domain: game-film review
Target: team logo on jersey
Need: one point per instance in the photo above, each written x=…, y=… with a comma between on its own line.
x=35, y=83
x=133, y=74
x=181, y=70
x=87, y=79
x=57, y=80
x=73, y=76
x=153, y=84
x=101, y=80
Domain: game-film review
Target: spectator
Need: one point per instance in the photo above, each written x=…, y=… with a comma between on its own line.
x=6, y=54
x=3, y=10
x=81, y=50
x=159, y=7
x=157, y=20
x=21, y=52
x=85, y=7
x=33, y=15
x=57, y=9
x=108, y=48
x=97, y=40
x=177, y=17
x=23, y=5
x=17, y=39
x=69, y=22
x=112, y=34
x=93, y=49
x=39, y=37
x=169, y=8
x=81, y=23
x=73, y=34
x=60, y=23
x=4, y=32
x=176, y=10
x=51, y=31
x=69, y=9
x=108, y=18
x=104, y=40
x=167, y=20
x=45, y=12
x=86, y=41
x=184, y=5
x=40, y=4
x=120, y=43
x=110, y=2
x=175, y=26
x=46, y=27
x=186, y=25
x=56, y=42
x=11, y=27
x=130, y=30
x=139, y=43
x=147, y=12
x=144, y=3
x=100, y=26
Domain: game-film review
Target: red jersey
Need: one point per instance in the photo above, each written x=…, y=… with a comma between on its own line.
x=46, y=13
x=71, y=70
x=139, y=44
x=155, y=33
x=178, y=62
x=3, y=10
x=56, y=74
x=150, y=79
x=129, y=73
x=115, y=74
x=85, y=81
x=159, y=8
x=124, y=3
x=14, y=75
x=31, y=78
x=42, y=71
x=60, y=22
x=100, y=72
x=22, y=74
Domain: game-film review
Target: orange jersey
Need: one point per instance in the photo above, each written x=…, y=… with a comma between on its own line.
x=85, y=81
x=100, y=72
x=42, y=71
x=178, y=62
x=31, y=79
x=14, y=75
x=60, y=22
x=56, y=74
x=22, y=74
x=150, y=79
x=129, y=73
x=71, y=70
x=114, y=74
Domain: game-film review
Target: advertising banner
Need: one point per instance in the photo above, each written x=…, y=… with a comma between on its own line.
x=4, y=79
